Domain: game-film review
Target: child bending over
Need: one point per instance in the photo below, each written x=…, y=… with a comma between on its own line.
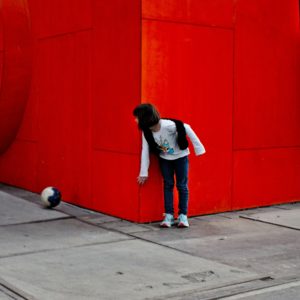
x=167, y=138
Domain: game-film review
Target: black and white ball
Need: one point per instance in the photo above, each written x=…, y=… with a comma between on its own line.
x=50, y=197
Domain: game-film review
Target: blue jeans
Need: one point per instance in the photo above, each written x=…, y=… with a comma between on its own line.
x=180, y=168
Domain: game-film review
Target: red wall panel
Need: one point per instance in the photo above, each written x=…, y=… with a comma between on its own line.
x=116, y=74
x=114, y=186
x=18, y=165
x=64, y=114
x=151, y=204
x=266, y=104
x=267, y=109
x=265, y=177
x=188, y=77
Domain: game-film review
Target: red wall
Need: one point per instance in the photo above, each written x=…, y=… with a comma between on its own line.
x=266, y=108
x=228, y=68
x=78, y=132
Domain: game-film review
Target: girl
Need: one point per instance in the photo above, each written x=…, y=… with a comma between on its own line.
x=167, y=139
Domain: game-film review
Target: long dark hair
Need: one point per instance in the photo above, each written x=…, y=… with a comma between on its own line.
x=147, y=115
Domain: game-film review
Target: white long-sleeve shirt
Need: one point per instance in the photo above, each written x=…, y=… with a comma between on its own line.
x=166, y=138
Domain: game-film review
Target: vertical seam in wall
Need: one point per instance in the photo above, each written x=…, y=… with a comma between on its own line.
x=140, y=100
x=233, y=103
x=90, y=109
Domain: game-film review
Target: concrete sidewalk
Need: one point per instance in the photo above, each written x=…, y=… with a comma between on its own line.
x=73, y=253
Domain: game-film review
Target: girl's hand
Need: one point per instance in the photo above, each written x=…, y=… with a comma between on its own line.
x=142, y=179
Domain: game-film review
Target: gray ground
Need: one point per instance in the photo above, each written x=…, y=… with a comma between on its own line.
x=73, y=253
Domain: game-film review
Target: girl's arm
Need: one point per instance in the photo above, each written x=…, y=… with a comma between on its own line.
x=145, y=160
x=198, y=146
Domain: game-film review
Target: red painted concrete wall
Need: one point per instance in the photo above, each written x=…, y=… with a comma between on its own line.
x=78, y=132
x=228, y=68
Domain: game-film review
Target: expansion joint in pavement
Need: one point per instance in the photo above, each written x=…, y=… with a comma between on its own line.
x=235, y=291
x=12, y=292
x=268, y=222
x=38, y=221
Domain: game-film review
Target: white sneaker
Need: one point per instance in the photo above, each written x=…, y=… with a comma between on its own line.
x=183, y=221
x=168, y=221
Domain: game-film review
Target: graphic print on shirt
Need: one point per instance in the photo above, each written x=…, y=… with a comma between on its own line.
x=164, y=146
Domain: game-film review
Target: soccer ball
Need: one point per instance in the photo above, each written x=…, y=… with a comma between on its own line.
x=50, y=197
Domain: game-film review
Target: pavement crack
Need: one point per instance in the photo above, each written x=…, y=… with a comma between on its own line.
x=63, y=248
x=262, y=290
x=13, y=292
x=267, y=222
x=39, y=221
x=234, y=291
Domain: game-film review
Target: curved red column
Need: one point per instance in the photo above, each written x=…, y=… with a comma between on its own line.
x=16, y=62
